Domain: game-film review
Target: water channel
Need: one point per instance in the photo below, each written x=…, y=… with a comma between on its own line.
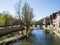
x=38, y=37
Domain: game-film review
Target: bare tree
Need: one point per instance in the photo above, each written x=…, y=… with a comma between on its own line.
x=27, y=15
x=18, y=10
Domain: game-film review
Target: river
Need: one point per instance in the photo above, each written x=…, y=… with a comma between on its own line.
x=38, y=37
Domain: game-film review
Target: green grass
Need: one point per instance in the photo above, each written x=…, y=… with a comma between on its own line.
x=2, y=20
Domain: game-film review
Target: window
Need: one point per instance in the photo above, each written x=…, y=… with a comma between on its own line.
x=59, y=24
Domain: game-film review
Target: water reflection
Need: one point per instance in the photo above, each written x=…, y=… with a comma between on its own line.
x=38, y=37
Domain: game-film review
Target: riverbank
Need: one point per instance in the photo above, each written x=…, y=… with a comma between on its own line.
x=53, y=31
x=17, y=35
x=14, y=36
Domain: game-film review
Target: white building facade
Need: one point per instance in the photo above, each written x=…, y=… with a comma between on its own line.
x=56, y=21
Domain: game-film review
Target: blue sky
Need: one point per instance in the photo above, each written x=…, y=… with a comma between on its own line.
x=41, y=8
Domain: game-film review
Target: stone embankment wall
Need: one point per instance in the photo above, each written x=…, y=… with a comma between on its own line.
x=10, y=29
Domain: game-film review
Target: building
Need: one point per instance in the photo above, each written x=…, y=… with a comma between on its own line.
x=55, y=20
x=46, y=21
